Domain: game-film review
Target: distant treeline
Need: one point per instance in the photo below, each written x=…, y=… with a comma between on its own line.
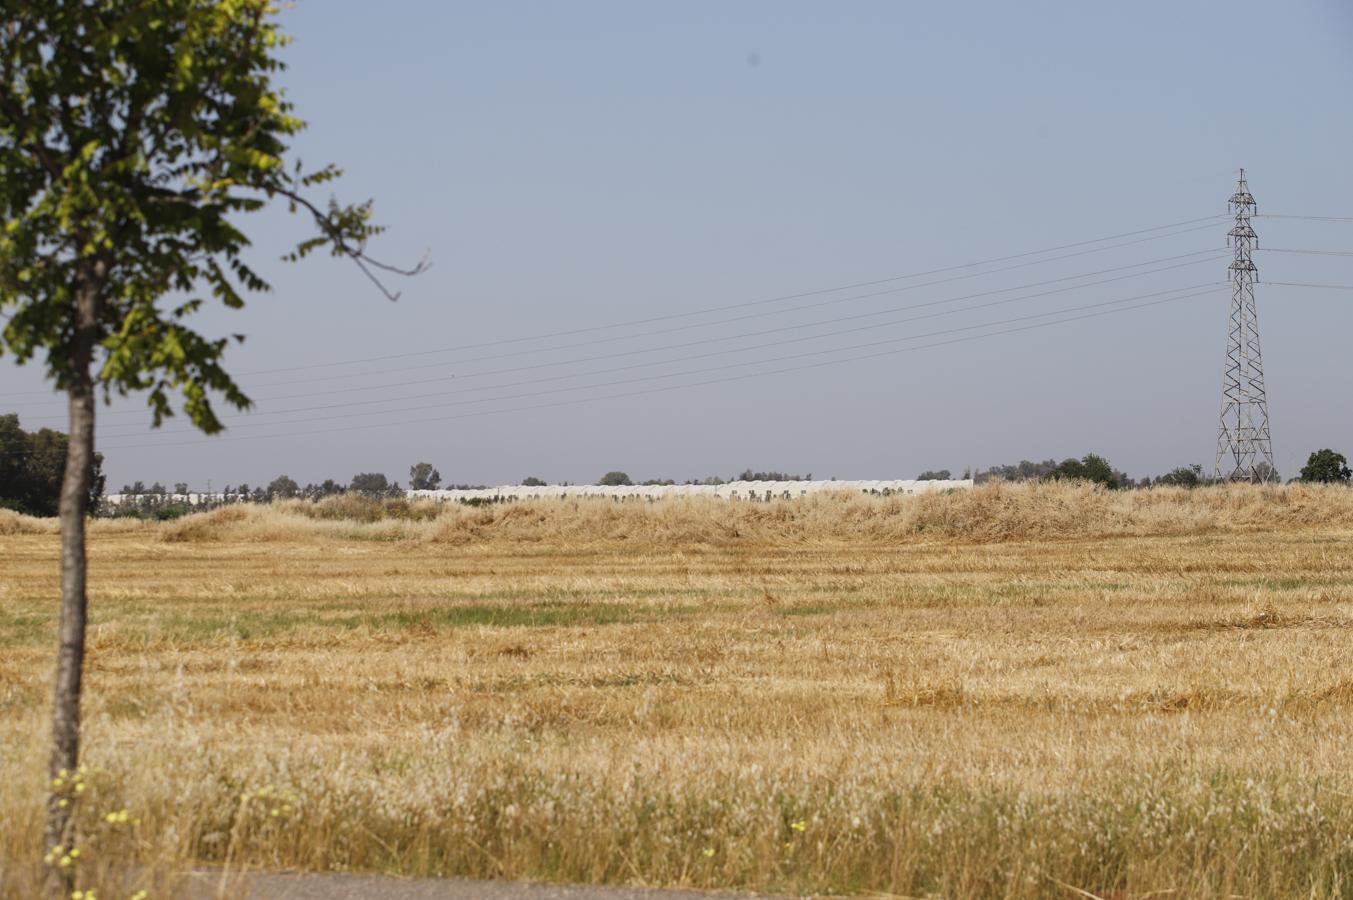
x=1323, y=465
x=159, y=502
x=32, y=463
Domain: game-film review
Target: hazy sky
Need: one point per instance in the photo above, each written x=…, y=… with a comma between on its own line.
x=575, y=165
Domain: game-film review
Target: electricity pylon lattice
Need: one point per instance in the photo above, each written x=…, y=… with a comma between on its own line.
x=1244, y=447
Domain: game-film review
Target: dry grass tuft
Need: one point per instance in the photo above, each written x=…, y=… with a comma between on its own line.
x=12, y=523
x=994, y=512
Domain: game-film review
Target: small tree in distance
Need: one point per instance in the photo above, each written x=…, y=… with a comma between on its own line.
x=532, y=481
x=1092, y=468
x=614, y=479
x=328, y=488
x=283, y=487
x=422, y=477
x=1184, y=476
x=1326, y=466
x=940, y=475
x=772, y=475
x=373, y=484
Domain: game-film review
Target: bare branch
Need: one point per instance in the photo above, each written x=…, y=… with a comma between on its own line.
x=357, y=255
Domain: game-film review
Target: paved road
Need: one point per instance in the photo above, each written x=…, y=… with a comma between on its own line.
x=334, y=886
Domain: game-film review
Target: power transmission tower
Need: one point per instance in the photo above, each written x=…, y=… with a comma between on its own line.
x=1244, y=447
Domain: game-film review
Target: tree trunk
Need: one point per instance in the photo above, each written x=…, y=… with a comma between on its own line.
x=74, y=503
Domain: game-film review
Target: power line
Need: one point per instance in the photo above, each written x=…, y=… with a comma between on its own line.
x=800, y=308
x=827, y=321
x=1301, y=284
x=1308, y=252
x=750, y=303
x=551, y=379
x=1306, y=218
x=709, y=324
x=1100, y=307
x=690, y=358
x=713, y=322
x=728, y=320
x=648, y=391
x=780, y=329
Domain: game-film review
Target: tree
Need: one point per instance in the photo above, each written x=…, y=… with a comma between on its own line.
x=1024, y=470
x=532, y=481
x=749, y=475
x=940, y=475
x=422, y=477
x=181, y=487
x=1091, y=467
x=32, y=465
x=134, y=137
x=1184, y=476
x=374, y=484
x=1326, y=466
x=282, y=486
x=614, y=479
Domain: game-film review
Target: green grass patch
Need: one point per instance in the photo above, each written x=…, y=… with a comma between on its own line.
x=193, y=624
x=16, y=630
x=1287, y=584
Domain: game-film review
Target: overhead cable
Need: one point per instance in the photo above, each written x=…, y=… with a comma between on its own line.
x=1190, y=257
x=1099, y=307
x=688, y=358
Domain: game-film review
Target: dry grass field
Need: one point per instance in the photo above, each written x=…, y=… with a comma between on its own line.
x=1031, y=691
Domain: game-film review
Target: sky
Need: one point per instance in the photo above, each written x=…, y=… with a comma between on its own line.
x=617, y=197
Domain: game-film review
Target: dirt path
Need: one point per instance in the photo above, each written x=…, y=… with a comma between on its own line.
x=332, y=886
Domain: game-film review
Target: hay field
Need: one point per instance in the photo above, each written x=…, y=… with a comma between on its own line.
x=1026, y=691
